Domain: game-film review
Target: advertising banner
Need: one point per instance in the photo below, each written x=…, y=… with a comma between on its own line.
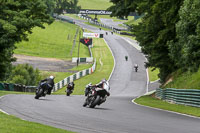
x=92, y=35
x=98, y=12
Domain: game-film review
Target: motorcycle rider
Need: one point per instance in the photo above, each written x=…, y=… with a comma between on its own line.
x=88, y=88
x=100, y=85
x=136, y=67
x=70, y=86
x=48, y=84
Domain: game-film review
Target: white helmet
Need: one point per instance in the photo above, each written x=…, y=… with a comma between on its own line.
x=51, y=77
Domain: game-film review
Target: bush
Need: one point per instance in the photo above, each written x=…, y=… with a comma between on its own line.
x=24, y=74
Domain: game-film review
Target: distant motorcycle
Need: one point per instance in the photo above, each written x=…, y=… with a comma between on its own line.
x=136, y=67
x=70, y=88
x=96, y=95
x=40, y=90
x=126, y=58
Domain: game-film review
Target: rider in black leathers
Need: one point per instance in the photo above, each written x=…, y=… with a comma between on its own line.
x=48, y=84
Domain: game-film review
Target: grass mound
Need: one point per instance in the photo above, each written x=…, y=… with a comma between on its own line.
x=55, y=41
x=186, y=80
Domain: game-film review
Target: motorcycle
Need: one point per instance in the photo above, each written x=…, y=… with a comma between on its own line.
x=136, y=67
x=41, y=91
x=96, y=95
x=69, y=89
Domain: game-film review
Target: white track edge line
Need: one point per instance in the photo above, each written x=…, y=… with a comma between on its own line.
x=133, y=101
x=2, y=110
x=113, y=59
x=147, y=72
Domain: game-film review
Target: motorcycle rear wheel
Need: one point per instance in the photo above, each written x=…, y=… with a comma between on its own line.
x=95, y=102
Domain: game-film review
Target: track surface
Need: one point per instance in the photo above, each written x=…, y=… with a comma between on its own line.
x=117, y=115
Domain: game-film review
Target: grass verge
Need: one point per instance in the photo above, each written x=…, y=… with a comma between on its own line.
x=12, y=92
x=153, y=75
x=156, y=103
x=11, y=124
x=133, y=22
x=104, y=68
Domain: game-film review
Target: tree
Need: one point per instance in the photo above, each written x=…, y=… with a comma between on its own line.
x=17, y=18
x=73, y=4
x=186, y=50
x=51, y=4
x=61, y=5
x=121, y=8
x=24, y=74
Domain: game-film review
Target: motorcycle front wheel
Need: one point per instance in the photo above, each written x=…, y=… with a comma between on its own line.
x=39, y=94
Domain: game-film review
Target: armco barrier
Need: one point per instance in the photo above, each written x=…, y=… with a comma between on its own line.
x=16, y=87
x=73, y=77
x=189, y=97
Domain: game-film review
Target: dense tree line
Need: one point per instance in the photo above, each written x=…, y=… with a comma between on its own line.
x=18, y=18
x=169, y=33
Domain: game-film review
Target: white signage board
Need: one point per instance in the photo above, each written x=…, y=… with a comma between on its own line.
x=91, y=35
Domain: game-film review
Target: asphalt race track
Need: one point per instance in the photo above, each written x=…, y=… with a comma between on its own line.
x=117, y=115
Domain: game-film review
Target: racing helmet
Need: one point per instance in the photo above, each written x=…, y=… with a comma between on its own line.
x=51, y=77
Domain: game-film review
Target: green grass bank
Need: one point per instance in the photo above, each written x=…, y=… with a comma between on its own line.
x=153, y=102
x=184, y=80
x=55, y=41
x=104, y=68
x=179, y=80
x=94, y=4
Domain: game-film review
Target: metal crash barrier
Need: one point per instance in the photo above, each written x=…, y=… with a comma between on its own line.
x=190, y=97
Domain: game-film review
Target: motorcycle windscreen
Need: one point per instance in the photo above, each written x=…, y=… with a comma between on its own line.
x=106, y=86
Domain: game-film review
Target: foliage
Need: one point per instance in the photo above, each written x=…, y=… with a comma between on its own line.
x=61, y=5
x=186, y=50
x=121, y=8
x=17, y=18
x=24, y=74
x=154, y=33
x=51, y=4
x=73, y=5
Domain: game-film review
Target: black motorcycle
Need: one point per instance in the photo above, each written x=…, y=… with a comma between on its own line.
x=70, y=88
x=96, y=95
x=136, y=67
x=40, y=90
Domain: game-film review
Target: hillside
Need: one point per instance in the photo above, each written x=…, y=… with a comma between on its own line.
x=95, y=4
x=184, y=80
x=55, y=41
